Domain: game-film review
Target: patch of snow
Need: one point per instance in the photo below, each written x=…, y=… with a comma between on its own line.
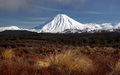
x=9, y=28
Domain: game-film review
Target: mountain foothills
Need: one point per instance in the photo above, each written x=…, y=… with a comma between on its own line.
x=64, y=24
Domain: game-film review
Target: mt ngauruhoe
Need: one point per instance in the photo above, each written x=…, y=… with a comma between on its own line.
x=60, y=23
x=64, y=24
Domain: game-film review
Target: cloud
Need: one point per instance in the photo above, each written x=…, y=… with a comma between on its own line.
x=53, y=9
x=72, y=4
x=72, y=1
x=29, y=22
x=27, y=5
x=14, y=5
x=38, y=18
x=62, y=3
x=50, y=9
x=92, y=12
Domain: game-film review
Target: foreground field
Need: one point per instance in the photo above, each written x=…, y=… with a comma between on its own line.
x=28, y=53
x=35, y=57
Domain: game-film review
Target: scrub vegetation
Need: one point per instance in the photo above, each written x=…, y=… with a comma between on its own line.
x=59, y=54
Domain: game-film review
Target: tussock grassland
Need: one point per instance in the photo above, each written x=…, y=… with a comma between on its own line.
x=25, y=53
x=69, y=62
x=33, y=57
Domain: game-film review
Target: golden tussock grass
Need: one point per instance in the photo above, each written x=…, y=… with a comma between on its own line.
x=8, y=54
x=43, y=63
x=116, y=69
x=69, y=61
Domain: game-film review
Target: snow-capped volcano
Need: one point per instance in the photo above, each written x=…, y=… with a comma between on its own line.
x=9, y=28
x=62, y=22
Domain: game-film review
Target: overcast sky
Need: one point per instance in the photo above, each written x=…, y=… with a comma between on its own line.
x=31, y=13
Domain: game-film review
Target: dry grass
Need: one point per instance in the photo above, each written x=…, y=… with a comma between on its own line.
x=116, y=69
x=42, y=64
x=53, y=59
x=8, y=54
x=70, y=62
x=16, y=66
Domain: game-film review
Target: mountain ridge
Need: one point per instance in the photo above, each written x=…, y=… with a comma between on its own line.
x=64, y=24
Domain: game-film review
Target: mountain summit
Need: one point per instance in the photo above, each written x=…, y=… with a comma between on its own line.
x=60, y=23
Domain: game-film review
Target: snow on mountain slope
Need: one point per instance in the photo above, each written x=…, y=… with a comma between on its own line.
x=9, y=28
x=106, y=26
x=62, y=22
x=117, y=26
x=92, y=26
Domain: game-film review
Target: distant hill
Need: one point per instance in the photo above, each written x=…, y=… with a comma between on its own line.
x=17, y=32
